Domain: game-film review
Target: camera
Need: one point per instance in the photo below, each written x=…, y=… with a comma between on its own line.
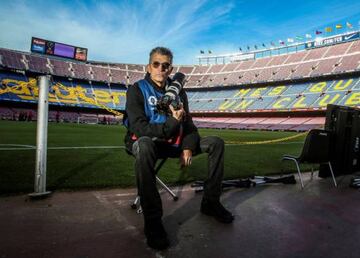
x=171, y=96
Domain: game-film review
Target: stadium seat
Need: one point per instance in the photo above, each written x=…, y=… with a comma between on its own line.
x=316, y=150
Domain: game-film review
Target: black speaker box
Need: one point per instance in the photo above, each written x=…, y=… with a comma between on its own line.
x=344, y=124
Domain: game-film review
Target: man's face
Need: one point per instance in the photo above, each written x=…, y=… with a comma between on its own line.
x=159, y=68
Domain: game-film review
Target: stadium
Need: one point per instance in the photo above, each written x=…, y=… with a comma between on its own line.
x=262, y=102
x=285, y=91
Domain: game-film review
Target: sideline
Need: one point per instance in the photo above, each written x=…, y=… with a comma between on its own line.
x=16, y=147
x=32, y=147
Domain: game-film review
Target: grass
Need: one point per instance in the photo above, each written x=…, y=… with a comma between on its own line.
x=102, y=168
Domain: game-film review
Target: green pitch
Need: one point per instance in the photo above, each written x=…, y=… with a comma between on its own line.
x=102, y=162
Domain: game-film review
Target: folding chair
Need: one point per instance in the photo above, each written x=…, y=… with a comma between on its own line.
x=136, y=203
x=316, y=150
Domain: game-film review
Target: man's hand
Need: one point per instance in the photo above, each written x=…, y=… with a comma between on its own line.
x=185, y=158
x=177, y=114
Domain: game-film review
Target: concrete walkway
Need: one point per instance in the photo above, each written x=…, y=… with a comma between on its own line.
x=271, y=221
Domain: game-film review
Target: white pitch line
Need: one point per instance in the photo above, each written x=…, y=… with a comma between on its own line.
x=18, y=145
x=62, y=148
x=31, y=147
x=240, y=144
x=16, y=149
x=87, y=147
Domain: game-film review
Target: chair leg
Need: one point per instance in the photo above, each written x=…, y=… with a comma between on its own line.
x=300, y=177
x=332, y=174
x=136, y=205
x=162, y=162
x=298, y=169
x=167, y=189
x=136, y=202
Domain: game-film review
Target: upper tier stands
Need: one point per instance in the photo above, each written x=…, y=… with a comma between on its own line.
x=308, y=63
x=339, y=58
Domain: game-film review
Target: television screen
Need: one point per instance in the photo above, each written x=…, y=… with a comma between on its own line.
x=64, y=50
x=81, y=54
x=48, y=47
x=38, y=45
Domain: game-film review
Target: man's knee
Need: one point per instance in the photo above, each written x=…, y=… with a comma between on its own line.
x=216, y=143
x=143, y=146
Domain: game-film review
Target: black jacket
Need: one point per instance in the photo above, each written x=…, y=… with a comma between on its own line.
x=139, y=125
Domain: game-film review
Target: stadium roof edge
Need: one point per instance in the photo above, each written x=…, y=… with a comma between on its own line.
x=200, y=57
x=254, y=52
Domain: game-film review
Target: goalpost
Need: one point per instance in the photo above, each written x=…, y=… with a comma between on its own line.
x=88, y=119
x=41, y=137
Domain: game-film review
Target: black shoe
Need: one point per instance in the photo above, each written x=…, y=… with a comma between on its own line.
x=156, y=235
x=215, y=209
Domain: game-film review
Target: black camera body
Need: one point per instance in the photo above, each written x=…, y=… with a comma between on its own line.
x=171, y=96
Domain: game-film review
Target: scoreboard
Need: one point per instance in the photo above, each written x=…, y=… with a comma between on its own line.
x=52, y=48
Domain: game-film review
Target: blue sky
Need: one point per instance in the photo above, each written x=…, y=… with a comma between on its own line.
x=125, y=31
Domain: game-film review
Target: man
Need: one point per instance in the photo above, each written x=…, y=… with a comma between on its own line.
x=153, y=134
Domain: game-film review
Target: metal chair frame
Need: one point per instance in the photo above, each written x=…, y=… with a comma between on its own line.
x=315, y=139
x=136, y=202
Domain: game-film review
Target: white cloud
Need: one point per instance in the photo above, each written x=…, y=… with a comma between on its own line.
x=125, y=31
x=122, y=31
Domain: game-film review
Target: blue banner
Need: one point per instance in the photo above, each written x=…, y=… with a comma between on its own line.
x=332, y=40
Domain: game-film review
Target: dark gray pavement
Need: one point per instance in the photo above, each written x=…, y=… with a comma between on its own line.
x=271, y=221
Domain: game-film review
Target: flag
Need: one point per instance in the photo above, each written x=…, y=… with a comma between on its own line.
x=338, y=26
x=308, y=36
x=349, y=25
x=209, y=51
x=299, y=38
x=202, y=52
x=272, y=43
x=248, y=47
x=263, y=44
x=255, y=46
x=240, y=49
x=317, y=32
x=290, y=40
x=328, y=29
x=281, y=42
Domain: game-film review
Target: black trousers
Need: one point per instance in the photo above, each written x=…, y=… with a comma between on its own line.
x=146, y=153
